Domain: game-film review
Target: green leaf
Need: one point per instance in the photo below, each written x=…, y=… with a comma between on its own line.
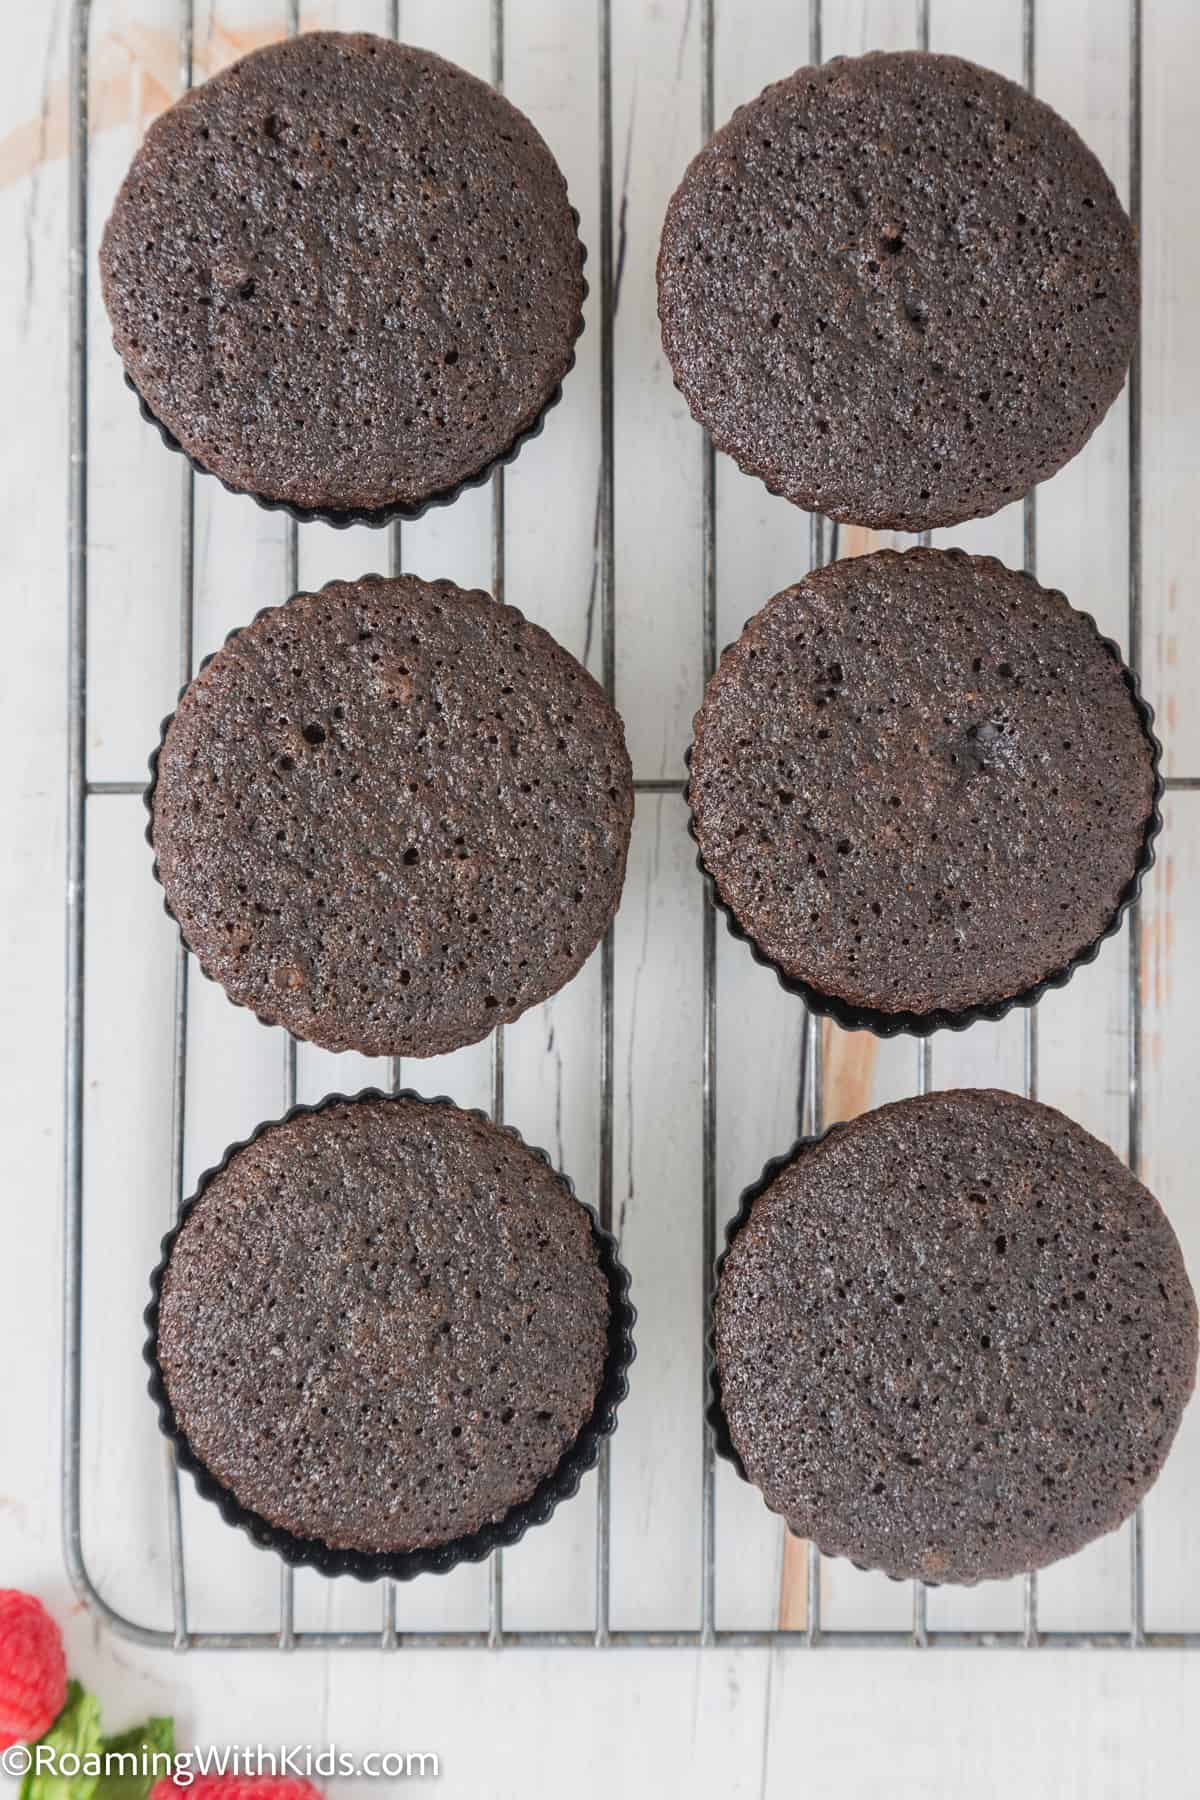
x=75, y=1732
x=142, y=1743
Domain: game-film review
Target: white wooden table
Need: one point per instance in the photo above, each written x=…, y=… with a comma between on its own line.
x=638, y=1723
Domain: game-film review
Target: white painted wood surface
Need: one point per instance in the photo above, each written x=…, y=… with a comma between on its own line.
x=644, y=1723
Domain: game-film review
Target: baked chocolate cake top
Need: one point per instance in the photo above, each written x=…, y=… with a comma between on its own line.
x=344, y=273
x=955, y=1338
x=383, y=1324
x=920, y=781
x=392, y=815
x=898, y=289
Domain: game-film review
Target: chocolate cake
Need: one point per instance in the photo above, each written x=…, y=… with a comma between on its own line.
x=344, y=275
x=898, y=289
x=392, y=815
x=382, y=1324
x=922, y=784
x=954, y=1338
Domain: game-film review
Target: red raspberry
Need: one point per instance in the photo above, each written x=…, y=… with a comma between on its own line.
x=33, y=1669
x=237, y=1787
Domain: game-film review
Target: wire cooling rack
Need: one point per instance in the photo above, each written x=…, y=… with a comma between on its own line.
x=810, y=1111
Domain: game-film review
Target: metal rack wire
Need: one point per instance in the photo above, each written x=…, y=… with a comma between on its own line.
x=810, y=1075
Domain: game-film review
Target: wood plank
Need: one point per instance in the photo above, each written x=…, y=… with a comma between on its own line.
x=553, y=1052
x=656, y=1453
x=1083, y=69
